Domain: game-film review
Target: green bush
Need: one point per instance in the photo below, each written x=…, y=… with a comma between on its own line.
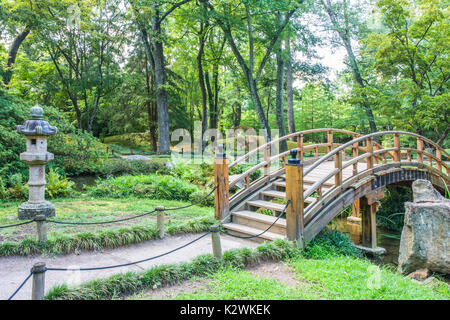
x=149, y=186
x=199, y=195
x=330, y=243
x=200, y=175
x=125, y=167
x=57, y=185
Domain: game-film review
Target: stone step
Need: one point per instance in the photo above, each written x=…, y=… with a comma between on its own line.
x=259, y=221
x=238, y=229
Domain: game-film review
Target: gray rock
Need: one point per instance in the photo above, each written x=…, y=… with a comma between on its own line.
x=423, y=191
x=425, y=240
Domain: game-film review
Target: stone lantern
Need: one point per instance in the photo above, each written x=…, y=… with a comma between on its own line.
x=36, y=156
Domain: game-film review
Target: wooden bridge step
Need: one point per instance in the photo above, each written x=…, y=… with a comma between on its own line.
x=267, y=205
x=249, y=231
x=282, y=183
x=282, y=195
x=259, y=221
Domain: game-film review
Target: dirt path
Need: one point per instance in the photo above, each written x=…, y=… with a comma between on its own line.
x=13, y=270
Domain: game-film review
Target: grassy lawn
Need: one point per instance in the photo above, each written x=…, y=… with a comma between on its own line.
x=87, y=209
x=332, y=278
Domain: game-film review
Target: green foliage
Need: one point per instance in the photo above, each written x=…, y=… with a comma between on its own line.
x=201, y=194
x=121, y=166
x=329, y=243
x=150, y=186
x=392, y=208
x=57, y=185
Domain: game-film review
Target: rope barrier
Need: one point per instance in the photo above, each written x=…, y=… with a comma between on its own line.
x=135, y=262
x=260, y=234
x=20, y=287
x=16, y=225
x=118, y=265
x=102, y=222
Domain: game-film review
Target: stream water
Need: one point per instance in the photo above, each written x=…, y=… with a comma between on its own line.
x=385, y=238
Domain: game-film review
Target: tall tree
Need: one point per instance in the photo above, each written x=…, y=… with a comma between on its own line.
x=344, y=20
x=149, y=16
x=248, y=18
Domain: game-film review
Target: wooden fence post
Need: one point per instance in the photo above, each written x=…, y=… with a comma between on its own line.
x=369, y=147
x=397, y=155
x=267, y=159
x=160, y=221
x=41, y=226
x=330, y=140
x=300, y=147
x=222, y=200
x=38, y=287
x=439, y=156
x=294, y=194
x=215, y=238
x=338, y=165
x=420, y=148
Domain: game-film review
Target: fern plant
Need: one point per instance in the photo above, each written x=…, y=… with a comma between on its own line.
x=57, y=185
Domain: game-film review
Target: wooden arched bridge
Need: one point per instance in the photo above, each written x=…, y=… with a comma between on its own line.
x=320, y=187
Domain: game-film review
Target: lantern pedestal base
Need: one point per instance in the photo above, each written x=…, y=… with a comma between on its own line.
x=28, y=210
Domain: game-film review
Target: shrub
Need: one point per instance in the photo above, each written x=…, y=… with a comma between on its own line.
x=57, y=185
x=330, y=243
x=125, y=167
x=199, y=195
x=149, y=186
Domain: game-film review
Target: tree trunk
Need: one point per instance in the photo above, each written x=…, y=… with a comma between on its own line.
x=289, y=91
x=279, y=98
x=201, y=81
x=161, y=94
x=151, y=112
x=13, y=54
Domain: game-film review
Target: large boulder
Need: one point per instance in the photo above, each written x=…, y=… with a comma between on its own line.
x=425, y=240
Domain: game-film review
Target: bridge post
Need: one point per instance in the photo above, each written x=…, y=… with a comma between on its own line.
x=294, y=194
x=420, y=148
x=330, y=140
x=397, y=155
x=368, y=219
x=222, y=202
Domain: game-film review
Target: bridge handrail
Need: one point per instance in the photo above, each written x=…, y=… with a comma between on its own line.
x=371, y=135
x=291, y=135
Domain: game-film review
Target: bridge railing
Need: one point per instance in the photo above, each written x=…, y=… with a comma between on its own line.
x=280, y=158
x=377, y=159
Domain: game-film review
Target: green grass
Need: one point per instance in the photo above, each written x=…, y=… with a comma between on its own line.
x=332, y=277
x=129, y=283
x=67, y=238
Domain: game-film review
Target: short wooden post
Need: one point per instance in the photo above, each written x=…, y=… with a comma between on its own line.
x=355, y=154
x=316, y=152
x=355, y=208
x=300, y=146
x=215, y=238
x=267, y=161
x=294, y=194
x=222, y=202
x=420, y=149
x=439, y=157
x=368, y=219
x=397, y=156
x=38, y=287
x=41, y=226
x=160, y=221
x=330, y=140
x=369, y=160
x=338, y=165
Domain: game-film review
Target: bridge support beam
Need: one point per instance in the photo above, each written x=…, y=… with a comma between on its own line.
x=294, y=194
x=368, y=211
